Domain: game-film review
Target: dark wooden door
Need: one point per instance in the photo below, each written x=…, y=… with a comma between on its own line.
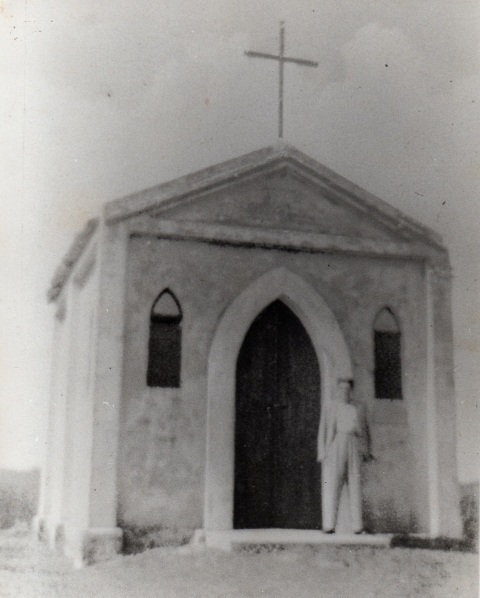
x=277, y=477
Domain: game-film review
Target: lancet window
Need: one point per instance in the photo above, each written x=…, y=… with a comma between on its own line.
x=388, y=363
x=165, y=341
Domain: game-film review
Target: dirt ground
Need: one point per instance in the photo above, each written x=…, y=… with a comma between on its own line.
x=28, y=569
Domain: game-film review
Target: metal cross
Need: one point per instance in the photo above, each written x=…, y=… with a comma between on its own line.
x=282, y=59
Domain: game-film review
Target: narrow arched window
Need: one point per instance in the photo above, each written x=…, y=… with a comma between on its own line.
x=387, y=347
x=164, y=345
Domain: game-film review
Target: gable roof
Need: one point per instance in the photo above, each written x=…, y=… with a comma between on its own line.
x=180, y=192
x=254, y=164
x=67, y=264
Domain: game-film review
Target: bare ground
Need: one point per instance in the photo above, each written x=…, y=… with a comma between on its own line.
x=28, y=569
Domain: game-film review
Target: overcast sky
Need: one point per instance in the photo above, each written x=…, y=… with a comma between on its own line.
x=100, y=99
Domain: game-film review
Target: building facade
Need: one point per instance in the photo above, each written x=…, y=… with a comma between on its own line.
x=202, y=326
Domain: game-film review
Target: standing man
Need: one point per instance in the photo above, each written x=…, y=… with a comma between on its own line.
x=342, y=442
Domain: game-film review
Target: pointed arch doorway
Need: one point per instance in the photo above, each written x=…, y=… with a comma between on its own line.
x=331, y=352
x=277, y=477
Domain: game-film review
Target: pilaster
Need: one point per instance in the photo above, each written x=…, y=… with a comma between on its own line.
x=51, y=507
x=444, y=498
x=103, y=536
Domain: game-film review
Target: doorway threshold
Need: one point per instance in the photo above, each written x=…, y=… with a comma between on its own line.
x=228, y=540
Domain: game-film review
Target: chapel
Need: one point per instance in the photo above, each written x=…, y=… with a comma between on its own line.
x=201, y=327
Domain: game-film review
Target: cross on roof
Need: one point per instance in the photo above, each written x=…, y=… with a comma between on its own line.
x=282, y=59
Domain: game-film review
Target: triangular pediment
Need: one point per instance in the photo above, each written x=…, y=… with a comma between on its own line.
x=279, y=200
x=275, y=188
x=275, y=197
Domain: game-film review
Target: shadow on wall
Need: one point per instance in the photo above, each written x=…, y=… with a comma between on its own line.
x=19, y=492
x=389, y=517
x=138, y=539
x=469, y=510
x=469, y=541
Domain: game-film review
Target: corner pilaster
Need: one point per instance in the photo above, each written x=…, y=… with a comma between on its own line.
x=444, y=498
x=107, y=395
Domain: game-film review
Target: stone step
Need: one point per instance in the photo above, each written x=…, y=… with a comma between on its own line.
x=228, y=539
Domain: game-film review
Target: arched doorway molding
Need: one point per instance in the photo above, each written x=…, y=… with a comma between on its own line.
x=333, y=358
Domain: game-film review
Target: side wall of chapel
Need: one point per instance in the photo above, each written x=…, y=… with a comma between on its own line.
x=64, y=509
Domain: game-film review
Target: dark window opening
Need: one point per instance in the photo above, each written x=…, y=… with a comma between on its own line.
x=387, y=348
x=165, y=341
